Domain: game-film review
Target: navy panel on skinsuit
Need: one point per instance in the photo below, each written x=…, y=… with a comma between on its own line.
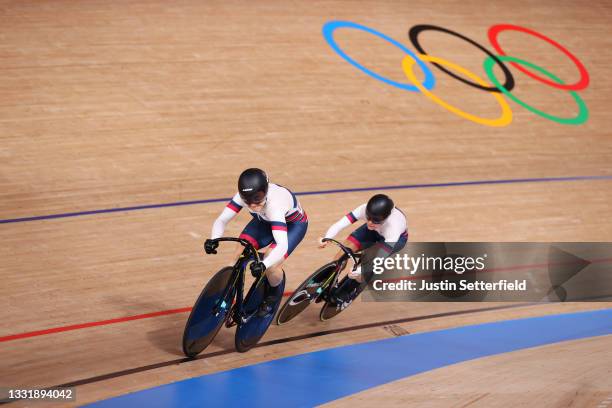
x=365, y=238
x=259, y=233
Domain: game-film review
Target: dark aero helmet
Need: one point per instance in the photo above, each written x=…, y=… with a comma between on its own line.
x=379, y=208
x=253, y=186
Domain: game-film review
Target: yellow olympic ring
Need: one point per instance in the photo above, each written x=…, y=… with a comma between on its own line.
x=506, y=116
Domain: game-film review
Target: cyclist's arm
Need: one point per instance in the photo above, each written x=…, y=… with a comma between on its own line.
x=230, y=211
x=381, y=250
x=350, y=218
x=279, y=232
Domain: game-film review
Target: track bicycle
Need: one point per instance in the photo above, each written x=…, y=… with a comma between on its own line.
x=222, y=301
x=321, y=287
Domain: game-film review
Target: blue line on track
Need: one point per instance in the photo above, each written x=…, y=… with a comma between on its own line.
x=316, y=378
x=304, y=193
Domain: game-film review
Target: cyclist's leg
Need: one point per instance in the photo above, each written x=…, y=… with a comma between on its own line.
x=366, y=238
x=363, y=238
x=258, y=233
x=295, y=234
x=360, y=239
x=385, y=250
x=275, y=272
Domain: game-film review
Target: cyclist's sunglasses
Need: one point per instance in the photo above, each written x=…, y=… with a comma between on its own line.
x=258, y=199
x=375, y=221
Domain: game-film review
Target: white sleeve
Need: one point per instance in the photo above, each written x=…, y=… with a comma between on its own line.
x=338, y=226
x=279, y=231
x=359, y=213
x=350, y=218
x=230, y=211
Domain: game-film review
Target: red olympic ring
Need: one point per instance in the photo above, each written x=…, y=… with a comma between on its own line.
x=584, y=75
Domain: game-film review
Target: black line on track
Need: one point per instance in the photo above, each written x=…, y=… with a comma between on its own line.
x=280, y=341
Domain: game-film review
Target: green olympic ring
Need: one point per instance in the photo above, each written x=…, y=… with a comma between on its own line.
x=583, y=113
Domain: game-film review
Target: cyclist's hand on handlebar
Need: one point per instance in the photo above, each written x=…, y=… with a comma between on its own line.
x=257, y=268
x=210, y=246
x=355, y=273
x=321, y=243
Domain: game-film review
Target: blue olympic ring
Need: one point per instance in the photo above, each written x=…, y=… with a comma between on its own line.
x=328, y=33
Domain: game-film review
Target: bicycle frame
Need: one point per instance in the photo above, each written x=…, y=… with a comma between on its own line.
x=340, y=264
x=237, y=313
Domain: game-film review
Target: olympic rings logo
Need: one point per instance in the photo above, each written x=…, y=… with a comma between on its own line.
x=497, y=90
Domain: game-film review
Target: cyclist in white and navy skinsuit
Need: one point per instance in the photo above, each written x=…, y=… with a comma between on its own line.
x=281, y=223
x=278, y=222
x=385, y=227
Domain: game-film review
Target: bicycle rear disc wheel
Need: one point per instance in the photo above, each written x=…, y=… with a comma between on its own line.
x=250, y=332
x=330, y=309
x=305, y=294
x=208, y=313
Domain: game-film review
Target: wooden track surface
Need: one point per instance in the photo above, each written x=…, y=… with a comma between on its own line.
x=107, y=104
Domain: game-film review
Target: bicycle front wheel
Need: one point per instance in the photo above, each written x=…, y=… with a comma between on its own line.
x=208, y=313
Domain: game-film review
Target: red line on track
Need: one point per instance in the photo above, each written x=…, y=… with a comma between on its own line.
x=99, y=323
x=188, y=309
x=91, y=324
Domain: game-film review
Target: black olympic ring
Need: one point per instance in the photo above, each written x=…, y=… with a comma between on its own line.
x=414, y=32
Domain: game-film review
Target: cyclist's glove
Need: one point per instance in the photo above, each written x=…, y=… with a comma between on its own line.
x=210, y=246
x=257, y=268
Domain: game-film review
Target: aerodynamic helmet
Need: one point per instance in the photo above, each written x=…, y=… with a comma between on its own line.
x=379, y=207
x=253, y=186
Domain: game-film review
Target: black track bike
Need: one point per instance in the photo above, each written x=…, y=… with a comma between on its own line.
x=222, y=301
x=319, y=287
